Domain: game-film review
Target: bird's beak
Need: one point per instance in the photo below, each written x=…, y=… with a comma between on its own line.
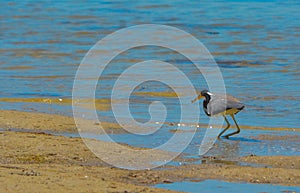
x=197, y=98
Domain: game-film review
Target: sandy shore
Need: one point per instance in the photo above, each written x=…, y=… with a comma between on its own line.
x=40, y=162
x=46, y=122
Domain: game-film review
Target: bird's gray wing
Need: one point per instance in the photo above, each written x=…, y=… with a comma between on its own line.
x=235, y=105
x=221, y=103
x=216, y=106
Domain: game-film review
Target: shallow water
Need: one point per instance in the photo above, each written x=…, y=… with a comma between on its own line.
x=221, y=186
x=227, y=151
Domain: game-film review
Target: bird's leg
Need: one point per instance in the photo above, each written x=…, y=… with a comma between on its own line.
x=237, y=126
x=228, y=125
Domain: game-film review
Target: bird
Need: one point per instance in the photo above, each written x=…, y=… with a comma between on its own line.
x=219, y=104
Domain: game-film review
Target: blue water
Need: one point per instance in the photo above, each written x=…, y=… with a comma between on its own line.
x=255, y=44
x=216, y=186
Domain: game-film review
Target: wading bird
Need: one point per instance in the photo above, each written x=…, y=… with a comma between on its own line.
x=217, y=104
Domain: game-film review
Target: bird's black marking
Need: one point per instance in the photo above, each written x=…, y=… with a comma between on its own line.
x=206, y=101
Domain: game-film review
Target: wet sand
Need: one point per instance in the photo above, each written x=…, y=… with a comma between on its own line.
x=46, y=122
x=39, y=162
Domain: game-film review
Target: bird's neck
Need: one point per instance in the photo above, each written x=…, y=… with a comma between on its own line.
x=207, y=98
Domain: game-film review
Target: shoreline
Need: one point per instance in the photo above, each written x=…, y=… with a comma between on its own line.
x=41, y=161
x=47, y=162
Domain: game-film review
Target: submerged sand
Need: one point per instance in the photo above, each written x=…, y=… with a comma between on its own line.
x=39, y=162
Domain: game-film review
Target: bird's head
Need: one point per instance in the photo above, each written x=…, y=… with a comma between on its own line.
x=202, y=95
